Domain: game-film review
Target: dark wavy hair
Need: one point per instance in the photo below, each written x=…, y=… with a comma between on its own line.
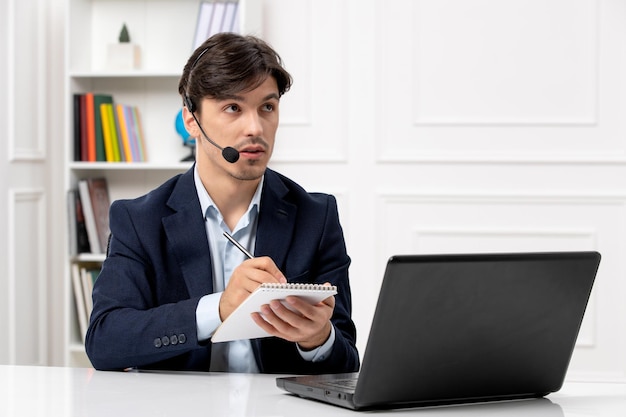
x=227, y=64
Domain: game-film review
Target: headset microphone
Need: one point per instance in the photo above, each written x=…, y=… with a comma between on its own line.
x=229, y=153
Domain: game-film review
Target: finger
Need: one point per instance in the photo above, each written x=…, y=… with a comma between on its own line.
x=264, y=324
x=295, y=323
x=266, y=265
x=324, y=308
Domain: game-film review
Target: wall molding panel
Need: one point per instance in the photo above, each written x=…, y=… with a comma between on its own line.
x=27, y=279
x=491, y=81
x=27, y=138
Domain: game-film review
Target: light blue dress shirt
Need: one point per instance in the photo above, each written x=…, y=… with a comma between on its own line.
x=235, y=356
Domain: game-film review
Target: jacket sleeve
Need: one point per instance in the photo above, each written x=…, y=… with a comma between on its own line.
x=138, y=317
x=318, y=244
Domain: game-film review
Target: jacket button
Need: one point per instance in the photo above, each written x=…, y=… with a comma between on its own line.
x=182, y=338
x=157, y=343
x=173, y=339
x=165, y=340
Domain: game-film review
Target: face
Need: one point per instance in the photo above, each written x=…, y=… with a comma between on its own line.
x=246, y=122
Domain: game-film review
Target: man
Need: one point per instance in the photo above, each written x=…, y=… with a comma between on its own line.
x=171, y=277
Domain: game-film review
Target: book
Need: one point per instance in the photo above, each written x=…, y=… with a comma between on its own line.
x=79, y=300
x=100, y=202
x=124, y=132
x=84, y=140
x=203, y=23
x=139, y=134
x=217, y=18
x=107, y=132
x=90, y=127
x=111, y=141
x=132, y=133
x=83, y=278
x=90, y=220
x=78, y=239
x=239, y=325
x=235, y=25
x=98, y=100
x=77, y=133
x=71, y=223
x=118, y=134
x=94, y=195
x=82, y=240
x=88, y=275
x=229, y=17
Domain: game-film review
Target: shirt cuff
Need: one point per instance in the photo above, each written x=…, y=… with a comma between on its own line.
x=321, y=352
x=208, y=315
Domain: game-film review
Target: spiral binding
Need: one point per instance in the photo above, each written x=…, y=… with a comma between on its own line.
x=299, y=286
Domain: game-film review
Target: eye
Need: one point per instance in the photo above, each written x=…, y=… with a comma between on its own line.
x=231, y=108
x=268, y=107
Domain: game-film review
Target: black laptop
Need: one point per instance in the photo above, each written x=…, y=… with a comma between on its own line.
x=452, y=329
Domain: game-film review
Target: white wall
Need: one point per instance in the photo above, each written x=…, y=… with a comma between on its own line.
x=464, y=126
x=442, y=126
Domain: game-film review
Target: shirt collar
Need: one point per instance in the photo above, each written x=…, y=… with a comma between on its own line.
x=206, y=201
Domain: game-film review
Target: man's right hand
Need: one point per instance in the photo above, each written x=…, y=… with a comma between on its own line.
x=245, y=279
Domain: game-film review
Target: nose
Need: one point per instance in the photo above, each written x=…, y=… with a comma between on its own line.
x=253, y=126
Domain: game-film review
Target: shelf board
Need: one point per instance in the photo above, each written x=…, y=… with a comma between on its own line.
x=130, y=166
x=125, y=74
x=89, y=257
x=76, y=347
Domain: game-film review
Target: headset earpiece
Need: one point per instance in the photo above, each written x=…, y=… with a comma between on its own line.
x=191, y=106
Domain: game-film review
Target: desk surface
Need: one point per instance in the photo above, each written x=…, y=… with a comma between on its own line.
x=52, y=392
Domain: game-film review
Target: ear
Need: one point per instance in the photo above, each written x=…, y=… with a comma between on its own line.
x=190, y=123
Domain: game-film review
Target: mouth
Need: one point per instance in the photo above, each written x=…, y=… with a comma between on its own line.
x=252, y=152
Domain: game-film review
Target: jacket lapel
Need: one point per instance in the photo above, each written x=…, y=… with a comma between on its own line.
x=186, y=235
x=276, y=220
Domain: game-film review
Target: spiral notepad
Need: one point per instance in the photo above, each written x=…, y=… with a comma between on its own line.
x=239, y=325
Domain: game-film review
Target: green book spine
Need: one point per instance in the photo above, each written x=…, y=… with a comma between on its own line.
x=98, y=99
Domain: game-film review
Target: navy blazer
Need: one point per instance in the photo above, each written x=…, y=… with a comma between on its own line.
x=159, y=266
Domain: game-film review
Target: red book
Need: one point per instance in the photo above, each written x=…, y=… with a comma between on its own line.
x=91, y=127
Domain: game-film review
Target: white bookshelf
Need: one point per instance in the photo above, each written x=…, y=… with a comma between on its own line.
x=164, y=31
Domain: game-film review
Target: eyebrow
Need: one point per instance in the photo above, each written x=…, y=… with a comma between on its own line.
x=270, y=96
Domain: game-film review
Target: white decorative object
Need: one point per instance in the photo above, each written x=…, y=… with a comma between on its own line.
x=123, y=55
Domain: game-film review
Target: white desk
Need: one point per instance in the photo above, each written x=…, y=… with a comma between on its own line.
x=55, y=392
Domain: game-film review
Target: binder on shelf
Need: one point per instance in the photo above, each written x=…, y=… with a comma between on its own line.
x=215, y=17
x=203, y=24
x=228, y=24
x=239, y=325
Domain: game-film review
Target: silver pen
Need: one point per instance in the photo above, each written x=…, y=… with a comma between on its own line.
x=238, y=245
